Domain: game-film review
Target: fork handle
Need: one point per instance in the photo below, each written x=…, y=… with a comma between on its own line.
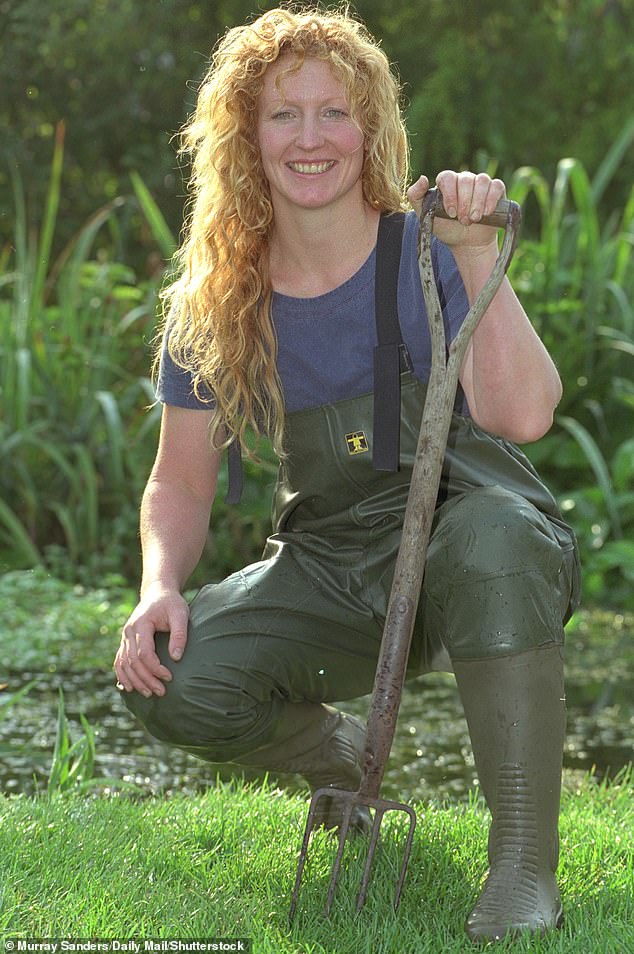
x=421, y=501
x=498, y=219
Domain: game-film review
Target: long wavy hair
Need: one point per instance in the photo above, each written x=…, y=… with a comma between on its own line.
x=218, y=311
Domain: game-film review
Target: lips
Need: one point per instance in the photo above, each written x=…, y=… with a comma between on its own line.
x=311, y=168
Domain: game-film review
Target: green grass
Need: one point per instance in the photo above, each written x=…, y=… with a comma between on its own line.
x=222, y=864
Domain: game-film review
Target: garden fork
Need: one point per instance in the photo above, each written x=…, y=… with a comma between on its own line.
x=410, y=563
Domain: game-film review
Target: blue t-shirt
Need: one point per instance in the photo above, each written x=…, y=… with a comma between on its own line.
x=326, y=344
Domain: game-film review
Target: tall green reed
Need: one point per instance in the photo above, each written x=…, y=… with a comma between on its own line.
x=73, y=376
x=77, y=440
x=73, y=761
x=573, y=271
x=575, y=275
x=79, y=426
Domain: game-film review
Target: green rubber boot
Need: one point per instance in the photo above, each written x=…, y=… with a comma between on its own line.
x=515, y=710
x=326, y=747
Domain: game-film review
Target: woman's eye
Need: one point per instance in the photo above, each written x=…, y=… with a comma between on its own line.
x=334, y=113
x=283, y=114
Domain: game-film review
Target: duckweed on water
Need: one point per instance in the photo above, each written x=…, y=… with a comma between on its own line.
x=61, y=636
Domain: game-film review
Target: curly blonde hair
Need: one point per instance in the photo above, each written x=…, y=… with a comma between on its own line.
x=219, y=323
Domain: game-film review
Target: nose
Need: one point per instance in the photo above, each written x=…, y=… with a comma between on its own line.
x=309, y=134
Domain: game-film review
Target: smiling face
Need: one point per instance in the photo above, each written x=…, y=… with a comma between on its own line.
x=311, y=149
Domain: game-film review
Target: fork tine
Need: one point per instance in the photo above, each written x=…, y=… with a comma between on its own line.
x=308, y=830
x=378, y=818
x=334, y=875
x=406, y=854
x=348, y=802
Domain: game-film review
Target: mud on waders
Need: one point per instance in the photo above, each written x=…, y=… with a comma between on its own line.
x=410, y=563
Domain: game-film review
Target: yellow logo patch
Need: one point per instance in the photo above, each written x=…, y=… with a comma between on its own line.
x=357, y=442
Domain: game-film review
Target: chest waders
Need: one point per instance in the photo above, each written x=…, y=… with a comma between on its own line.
x=272, y=645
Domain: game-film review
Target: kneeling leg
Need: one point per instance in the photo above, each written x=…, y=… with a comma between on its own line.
x=504, y=579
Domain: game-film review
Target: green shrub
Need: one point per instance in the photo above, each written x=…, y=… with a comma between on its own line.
x=74, y=386
x=576, y=281
x=79, y=429
x=526, y=82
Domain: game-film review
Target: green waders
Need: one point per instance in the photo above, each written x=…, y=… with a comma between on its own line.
x=272, y=645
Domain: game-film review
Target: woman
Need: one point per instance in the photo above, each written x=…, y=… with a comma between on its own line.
x=299, y=181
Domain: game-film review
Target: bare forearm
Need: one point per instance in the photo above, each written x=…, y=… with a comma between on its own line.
x=511, y=382
x=174, y=524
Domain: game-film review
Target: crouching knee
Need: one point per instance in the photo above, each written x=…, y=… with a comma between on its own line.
x=212, y=720
x=500, y=573
x=491, y=530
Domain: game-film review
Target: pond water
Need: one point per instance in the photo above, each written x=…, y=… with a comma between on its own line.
x=431, y=756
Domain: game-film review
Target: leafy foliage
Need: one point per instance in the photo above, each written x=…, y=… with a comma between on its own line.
x=78, y=430
x=577, y=284
x=523, y=81
x=79, y=425
x=48, y=625
x=119, y=76
x=72, y=333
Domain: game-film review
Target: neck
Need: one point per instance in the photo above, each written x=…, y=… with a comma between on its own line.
x=316, y=251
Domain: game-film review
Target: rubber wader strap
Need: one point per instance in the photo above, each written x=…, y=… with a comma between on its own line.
x=390, y=358
x=390, y=355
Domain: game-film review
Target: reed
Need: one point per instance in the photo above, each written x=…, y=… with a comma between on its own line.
x=573, y=272
x=78, y=428
x=72, y=768
x=73, y=373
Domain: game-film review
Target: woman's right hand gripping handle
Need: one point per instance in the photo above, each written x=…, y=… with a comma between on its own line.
x=137, y=664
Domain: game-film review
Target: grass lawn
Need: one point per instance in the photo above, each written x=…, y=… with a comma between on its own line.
x=222, y=865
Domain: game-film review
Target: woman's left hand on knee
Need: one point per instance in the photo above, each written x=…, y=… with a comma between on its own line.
x=137, y=665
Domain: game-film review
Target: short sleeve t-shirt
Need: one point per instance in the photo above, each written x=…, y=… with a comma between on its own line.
x=326, y=344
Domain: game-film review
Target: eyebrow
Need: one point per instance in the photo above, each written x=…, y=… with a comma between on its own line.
x=336, y=98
